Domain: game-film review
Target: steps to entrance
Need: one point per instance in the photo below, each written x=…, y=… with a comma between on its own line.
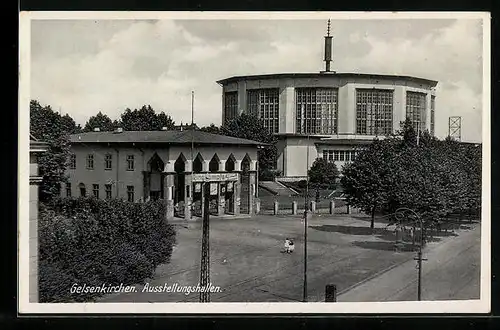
x=276, y=188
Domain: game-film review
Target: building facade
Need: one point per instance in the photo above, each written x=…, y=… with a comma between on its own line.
x=36, y=148
x=328, y=114
x=171, y=165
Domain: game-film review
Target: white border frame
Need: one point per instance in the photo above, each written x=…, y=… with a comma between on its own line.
x=423, y=307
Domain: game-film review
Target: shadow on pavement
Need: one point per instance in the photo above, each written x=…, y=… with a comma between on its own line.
x=350, y=230
x=386, y=246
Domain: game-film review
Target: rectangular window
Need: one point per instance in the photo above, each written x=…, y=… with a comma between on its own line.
x=230, y=106
x=108, y=162
x=374, y=111
x=325, y=155
x=108, y=191
x=72, y=161
x=415, y=109
x=90, y=161
x=316, y=110
x=130, y=193
x=264, y=103
x=353, y=155
x=68, y=189
x=347, y=156
x=336, y=155
x=433, y=109
x=330, y=156
x=342, y=154
x=95, y=190
x=130, y=162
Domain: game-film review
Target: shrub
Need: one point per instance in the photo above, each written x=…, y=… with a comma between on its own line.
x=94, y=242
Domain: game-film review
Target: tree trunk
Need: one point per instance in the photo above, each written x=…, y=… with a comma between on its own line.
x=372, y=224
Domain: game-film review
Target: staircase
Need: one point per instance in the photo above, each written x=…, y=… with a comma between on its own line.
x=276, y=188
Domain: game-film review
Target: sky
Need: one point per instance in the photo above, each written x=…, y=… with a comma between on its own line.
x=81, y=67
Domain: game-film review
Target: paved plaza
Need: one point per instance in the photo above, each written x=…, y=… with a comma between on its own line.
x=247, y=264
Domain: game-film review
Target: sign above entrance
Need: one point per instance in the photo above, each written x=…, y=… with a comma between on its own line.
x=214, y=177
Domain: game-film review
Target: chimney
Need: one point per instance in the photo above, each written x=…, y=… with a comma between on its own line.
x=97, y=129
x=328, y=49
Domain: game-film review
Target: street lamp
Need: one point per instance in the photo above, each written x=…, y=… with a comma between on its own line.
x=400, y=212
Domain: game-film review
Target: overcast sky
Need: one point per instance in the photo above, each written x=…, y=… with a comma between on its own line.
x=85, y=66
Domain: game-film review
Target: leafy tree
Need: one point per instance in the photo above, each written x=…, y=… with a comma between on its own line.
x=434, y=178
x=247, y=126
x=164, y=120
x=49, y=126
x=145, y=119
x=367, y=180
x=101, y=121
x=211, y=129
x=323, y=173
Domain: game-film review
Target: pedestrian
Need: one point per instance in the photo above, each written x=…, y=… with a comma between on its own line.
x=287, y=245
x=291, y=246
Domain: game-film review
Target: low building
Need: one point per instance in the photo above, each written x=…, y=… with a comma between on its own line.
x=36, y=148
x=171, y=165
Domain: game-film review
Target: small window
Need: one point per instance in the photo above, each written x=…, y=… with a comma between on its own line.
x=130, y=162
x=353, y=155
x=341, y=155
x=330, y=156
x=68, y=189
x=336, y=155
x=95, y=190
x=325, y=155
x=90, y=161
x=108, y=191
x=130, y=193
x=72, y=161
x=108, y=163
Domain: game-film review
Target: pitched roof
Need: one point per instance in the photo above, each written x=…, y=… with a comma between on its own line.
x=166, y=137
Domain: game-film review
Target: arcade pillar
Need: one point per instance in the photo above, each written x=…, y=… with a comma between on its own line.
x=237, y=195
x=168, y=193
x=251, y=192
x=188, y=195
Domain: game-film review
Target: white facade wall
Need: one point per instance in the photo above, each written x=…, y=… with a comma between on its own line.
x=291, y=152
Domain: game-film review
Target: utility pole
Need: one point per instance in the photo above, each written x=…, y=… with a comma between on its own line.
x=306, y=209
x=419, y=258
x=205, y=246
x=192, y=126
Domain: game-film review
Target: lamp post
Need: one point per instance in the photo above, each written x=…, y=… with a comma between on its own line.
x=419, y=258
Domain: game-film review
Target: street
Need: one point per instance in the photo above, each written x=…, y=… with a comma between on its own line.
x=452, y=272
x=245, y=261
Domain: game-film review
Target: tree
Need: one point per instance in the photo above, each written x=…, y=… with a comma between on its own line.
x=48, y=126
x=164, y=120
x=249, y=127
x=367, y=180
x=101, y=121
x=211, y=129
x=145, y=119
x=323, y=173
x=433, y=177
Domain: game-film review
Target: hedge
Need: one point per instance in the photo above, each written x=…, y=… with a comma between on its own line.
x=95, y=242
